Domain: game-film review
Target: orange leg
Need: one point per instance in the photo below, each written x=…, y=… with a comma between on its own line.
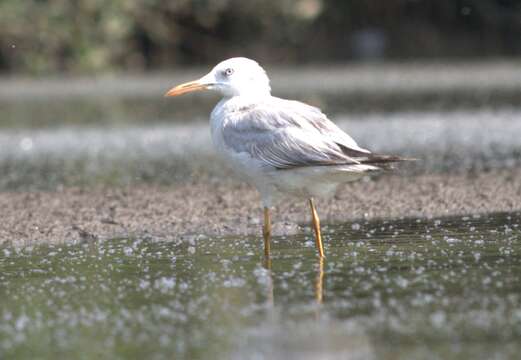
x=266, y=231
x=316, y=227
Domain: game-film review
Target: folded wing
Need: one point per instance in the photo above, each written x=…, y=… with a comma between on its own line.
x=287, y=134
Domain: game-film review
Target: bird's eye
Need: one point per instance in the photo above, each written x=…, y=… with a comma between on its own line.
x=228, y=72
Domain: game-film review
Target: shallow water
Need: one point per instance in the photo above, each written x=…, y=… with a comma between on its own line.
x=410, y=288
x=454, y=141
x=121, y=131
x=381, y=87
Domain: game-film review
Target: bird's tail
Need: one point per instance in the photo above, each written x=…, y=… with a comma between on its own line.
x=384, y=161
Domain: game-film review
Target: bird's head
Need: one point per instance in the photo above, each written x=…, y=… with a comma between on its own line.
x=232, y=77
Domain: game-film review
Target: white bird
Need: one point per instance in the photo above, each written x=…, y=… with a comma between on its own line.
x=282, y=147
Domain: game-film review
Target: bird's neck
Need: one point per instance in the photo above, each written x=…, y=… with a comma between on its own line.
x=247, y=96
x=245, y=99
x=257, y=90
x=238, y=103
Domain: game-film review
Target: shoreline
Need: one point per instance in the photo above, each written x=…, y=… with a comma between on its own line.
x=412, y=77
x=120, y=99
x=211, y=208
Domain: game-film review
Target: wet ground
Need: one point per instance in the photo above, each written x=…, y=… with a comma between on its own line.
x=449, y=141
x=446, y=288
x=180, y=212
x=122, y=236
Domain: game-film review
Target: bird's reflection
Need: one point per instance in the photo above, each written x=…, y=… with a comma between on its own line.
x=319, y=287
x=269, y=288
x=318, y=283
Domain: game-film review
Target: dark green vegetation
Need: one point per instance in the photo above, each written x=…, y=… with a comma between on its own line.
x=41, y=36
x=414, y=288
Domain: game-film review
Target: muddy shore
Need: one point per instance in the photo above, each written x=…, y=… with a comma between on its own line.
x=209, y=208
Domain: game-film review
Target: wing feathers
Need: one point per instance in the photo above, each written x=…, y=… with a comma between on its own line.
x=286, y=134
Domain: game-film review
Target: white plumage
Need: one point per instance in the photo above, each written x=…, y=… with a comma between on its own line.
x=283, y=147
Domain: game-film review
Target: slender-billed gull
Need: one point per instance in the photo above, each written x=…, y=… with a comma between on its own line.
x=280, y=146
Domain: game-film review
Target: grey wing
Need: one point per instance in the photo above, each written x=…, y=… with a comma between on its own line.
x=287, y=134
x=319, y=121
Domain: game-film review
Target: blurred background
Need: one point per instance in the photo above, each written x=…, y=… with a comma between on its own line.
x=82, y=82
x=91, y=150
x=86, y=36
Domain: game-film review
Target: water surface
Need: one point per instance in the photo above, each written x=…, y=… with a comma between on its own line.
x=452, y=141
x=447, y=288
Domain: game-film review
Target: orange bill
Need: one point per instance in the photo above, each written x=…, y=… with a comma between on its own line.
x=186, y=88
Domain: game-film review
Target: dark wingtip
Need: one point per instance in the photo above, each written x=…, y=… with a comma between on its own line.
x=382, y=159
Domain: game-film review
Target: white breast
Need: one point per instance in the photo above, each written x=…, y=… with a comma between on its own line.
x=216, y=126
x=242, y=163
x=272, y=183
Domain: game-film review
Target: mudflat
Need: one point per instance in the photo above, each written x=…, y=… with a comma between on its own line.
x=228, y=208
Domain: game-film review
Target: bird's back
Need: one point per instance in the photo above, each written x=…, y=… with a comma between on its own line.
x=282, y=133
